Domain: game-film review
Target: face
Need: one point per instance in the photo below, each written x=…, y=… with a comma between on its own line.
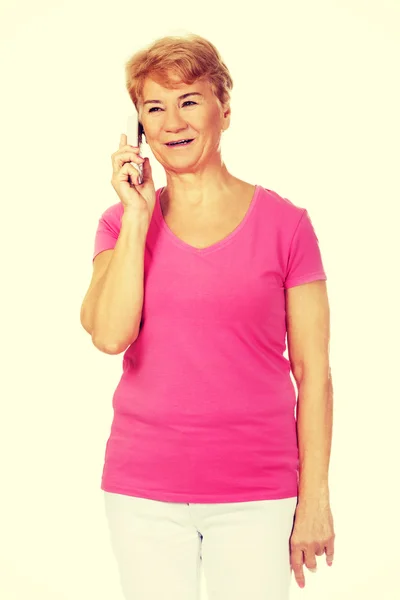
x=167, y=116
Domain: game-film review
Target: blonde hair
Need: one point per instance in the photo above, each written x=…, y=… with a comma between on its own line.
x=190, y=57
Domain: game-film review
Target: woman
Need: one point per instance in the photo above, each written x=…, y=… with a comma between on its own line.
x=199, y=282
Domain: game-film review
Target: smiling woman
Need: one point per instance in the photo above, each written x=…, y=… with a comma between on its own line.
x=203, y=455
x=181, y=90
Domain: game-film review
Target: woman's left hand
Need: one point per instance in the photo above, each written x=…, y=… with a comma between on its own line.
x=312, y=535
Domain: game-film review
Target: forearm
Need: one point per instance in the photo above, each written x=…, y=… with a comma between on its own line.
x=314, y=435
x=118, y=309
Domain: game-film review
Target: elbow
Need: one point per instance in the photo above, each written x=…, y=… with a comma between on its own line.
x=106, y=348
x=113, y=349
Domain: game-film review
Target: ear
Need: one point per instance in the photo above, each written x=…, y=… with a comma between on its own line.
x=226, y=117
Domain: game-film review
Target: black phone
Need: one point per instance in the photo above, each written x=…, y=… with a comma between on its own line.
x=140, y=132
x=134, y=137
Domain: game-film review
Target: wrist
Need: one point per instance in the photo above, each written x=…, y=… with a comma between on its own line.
x=313, y=496
x=136, y=218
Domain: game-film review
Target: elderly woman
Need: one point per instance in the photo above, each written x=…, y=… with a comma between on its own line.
x=198, y=283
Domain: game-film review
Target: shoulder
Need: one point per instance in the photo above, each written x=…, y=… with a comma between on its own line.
x=282, y=211
x=113, y=213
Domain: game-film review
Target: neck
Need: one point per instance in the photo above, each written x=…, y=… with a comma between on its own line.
x=196, y=190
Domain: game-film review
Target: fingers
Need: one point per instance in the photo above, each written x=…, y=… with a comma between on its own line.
x=121, y=157
x=305, y=557
x=329, y=549
x=296, y=562
x=123, y=142
x=133, y=173
x=309, y=559
x=124, y=159
x=126, y=148
x=129, y=156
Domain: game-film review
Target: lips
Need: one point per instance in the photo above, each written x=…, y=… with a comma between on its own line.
x=173, y=143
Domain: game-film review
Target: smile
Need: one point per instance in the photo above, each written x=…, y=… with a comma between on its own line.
x=179, y=145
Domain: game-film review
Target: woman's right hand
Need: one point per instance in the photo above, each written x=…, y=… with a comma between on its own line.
x=133, y=196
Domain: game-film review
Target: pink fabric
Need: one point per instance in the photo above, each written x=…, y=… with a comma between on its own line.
x=204, y=409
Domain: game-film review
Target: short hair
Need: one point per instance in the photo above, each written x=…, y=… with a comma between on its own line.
x=190, y=57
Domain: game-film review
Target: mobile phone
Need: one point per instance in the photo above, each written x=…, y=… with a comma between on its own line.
x=134, y=135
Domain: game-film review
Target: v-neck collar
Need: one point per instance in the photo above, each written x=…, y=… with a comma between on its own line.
x=217, y=245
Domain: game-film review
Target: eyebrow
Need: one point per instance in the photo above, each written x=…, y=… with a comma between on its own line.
x=179, y=98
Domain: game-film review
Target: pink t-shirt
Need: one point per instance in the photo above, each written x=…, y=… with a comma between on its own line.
x=205, y=408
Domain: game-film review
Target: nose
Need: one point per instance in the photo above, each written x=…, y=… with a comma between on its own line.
x=173, y=123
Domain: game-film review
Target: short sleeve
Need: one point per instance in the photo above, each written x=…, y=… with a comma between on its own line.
x=108, y=229
x=304, y=261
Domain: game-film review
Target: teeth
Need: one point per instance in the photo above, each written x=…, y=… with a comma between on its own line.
x=180, y=142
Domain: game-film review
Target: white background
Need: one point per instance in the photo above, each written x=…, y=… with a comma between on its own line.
x=315, y=117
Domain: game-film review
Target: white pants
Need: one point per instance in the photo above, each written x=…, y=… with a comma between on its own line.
x=242, y=547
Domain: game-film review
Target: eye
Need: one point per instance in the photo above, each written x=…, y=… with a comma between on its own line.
x=158, y=108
